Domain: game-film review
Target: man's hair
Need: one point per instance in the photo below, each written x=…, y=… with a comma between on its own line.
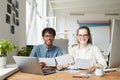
x=48, y=30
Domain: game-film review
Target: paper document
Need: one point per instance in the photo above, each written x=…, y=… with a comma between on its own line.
x=83, y=63
x=73, y=67
x=48, y=61
x=64, y=59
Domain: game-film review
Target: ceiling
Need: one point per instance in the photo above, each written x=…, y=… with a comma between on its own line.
x=81, y=7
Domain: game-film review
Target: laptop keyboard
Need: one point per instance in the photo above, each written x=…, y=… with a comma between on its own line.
x=49, y=71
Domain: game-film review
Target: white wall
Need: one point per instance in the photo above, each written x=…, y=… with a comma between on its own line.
x=69, y=22
x=19, y=37
x=101, y=37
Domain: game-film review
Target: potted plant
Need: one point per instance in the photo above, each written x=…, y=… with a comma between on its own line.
x=24, y=51
x=5, y=48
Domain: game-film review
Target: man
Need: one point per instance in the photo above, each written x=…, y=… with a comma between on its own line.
x=46, y=50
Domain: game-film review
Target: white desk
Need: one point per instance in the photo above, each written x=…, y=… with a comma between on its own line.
x=10, y=69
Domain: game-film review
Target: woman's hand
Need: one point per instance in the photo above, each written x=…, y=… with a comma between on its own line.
x=61, y=67
x=91, y=68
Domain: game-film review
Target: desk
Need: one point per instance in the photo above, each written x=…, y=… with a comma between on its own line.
x=62, y=76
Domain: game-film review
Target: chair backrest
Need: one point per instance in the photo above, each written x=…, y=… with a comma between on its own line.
x=63, y=44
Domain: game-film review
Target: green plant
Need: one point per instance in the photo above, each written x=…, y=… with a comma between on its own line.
x=6, y=47
x=24, y=51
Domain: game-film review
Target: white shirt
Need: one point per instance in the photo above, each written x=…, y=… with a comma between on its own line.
x=91, y=52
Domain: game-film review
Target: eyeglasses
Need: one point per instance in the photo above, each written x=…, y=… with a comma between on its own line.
x=84, y=35
x=49, y=36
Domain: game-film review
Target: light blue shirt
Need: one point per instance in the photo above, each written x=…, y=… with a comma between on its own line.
x=40, y=51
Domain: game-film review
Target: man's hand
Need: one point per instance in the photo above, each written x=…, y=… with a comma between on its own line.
x=42, y=64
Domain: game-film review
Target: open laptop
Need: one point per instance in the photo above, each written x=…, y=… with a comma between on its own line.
x=31, y=65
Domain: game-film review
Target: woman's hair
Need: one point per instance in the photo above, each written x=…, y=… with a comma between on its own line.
x=89, y=34
x=49, y=30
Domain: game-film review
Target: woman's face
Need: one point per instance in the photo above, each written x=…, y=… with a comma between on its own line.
x=48, y=39
x=83, y=36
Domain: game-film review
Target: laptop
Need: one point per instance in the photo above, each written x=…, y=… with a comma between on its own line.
x=31, y=65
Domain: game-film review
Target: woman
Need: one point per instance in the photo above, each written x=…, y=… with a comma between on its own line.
x=85, y=49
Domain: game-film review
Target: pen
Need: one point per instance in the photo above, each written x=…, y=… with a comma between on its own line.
x=77, y=76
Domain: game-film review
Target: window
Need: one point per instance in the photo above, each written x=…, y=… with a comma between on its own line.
x=35, y=20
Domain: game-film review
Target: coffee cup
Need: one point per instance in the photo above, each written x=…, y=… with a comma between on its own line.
x=99, y=72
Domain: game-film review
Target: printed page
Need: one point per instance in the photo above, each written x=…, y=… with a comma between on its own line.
x=64, y=59
x=82, y=63
x=48, y=61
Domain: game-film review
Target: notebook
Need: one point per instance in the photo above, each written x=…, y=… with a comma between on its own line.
x=31, y=65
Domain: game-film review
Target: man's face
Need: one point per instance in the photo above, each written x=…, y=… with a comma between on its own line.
x=48, y=39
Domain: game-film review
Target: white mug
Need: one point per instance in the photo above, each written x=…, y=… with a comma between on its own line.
x=99, y=72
